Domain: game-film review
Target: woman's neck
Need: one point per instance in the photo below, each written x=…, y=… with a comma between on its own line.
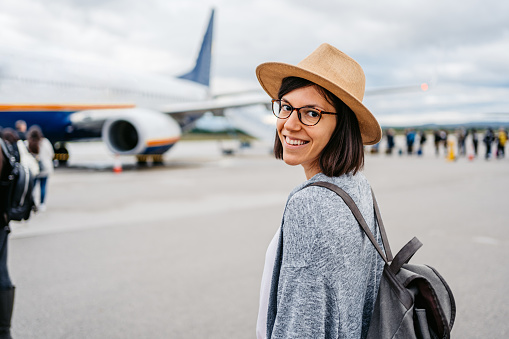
x=311, y=171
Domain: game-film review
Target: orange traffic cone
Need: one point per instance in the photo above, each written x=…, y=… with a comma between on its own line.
x=117, y=165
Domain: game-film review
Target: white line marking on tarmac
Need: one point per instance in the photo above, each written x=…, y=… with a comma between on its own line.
x=485, y=240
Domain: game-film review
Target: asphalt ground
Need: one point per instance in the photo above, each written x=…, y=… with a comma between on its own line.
x=177, y=251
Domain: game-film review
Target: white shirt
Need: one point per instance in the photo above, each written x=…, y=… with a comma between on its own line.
x=270, y=258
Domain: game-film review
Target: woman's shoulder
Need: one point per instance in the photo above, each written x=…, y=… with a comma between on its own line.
x=346, y=181
x=324, y=208
x=311, y=197
x=357, y=186
x=322, y=203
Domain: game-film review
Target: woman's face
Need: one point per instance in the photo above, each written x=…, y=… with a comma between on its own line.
x=302, y=145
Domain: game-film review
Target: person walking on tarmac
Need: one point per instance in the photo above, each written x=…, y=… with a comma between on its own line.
x=422, y=141
x=21, y=129
x=390, y=140
x=489, y=137
x=410, y=139
x=6, y=287
x=42, y=149
x=502, y=138
x=475, y=140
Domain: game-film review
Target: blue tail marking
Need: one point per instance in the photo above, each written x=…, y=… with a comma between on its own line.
x=201, y=71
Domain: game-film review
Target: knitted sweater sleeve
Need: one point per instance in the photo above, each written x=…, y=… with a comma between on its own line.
x=324, y=273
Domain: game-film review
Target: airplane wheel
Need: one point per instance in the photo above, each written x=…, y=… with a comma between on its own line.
x=141, y=160
x=157, y=160
x=62, y=156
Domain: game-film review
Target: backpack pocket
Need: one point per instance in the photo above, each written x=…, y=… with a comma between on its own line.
x=421, y=324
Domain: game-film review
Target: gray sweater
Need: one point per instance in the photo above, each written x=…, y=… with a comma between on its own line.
x=326, y=273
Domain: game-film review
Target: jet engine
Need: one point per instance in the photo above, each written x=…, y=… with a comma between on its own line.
x=140, y=131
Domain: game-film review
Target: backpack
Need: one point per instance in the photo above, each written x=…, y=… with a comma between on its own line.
x=18, y=186
x=413, y=300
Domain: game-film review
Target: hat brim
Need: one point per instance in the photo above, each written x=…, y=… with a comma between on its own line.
x=271, y=74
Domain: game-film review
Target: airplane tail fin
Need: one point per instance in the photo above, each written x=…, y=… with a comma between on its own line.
x=201, y=71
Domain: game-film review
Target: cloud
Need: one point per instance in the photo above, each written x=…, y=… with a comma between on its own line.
x=462, y=45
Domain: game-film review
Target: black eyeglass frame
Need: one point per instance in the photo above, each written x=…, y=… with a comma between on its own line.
x=298, y=111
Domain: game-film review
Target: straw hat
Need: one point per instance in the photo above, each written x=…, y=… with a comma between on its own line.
x=333, y=70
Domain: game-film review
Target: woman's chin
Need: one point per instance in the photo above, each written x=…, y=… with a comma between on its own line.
x=291, y=161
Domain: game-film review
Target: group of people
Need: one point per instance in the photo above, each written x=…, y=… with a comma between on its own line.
x=462, y=134
x=494, y=142
x=31, y=143
x=412, y=138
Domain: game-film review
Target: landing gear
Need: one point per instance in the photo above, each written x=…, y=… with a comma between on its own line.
x=157, y=160
x=61, y=154
x=143, y=160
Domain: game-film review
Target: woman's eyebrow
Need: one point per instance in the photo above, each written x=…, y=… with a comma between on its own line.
x=309, y=106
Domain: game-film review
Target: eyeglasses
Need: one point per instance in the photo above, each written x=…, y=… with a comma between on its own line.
x=309, y=116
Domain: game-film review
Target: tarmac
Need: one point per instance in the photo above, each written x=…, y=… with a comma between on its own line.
x=177, y=251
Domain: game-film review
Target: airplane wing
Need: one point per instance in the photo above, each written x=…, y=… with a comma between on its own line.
x=214, y=105
x=187, y=113
x=221, y=102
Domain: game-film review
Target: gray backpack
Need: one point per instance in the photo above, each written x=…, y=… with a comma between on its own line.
x=413, y=301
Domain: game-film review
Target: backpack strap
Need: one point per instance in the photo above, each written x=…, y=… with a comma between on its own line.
x=405, y=254
x=381, y=226
x=387, y=256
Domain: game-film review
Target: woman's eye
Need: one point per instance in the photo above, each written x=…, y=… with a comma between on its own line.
x=286, y=108
x=312, y=113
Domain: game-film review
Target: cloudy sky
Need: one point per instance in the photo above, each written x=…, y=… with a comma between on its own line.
x=460, y=48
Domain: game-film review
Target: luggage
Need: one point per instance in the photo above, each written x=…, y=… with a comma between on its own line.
x=413, y=300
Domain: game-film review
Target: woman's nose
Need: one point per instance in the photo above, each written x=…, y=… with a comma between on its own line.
x=293, y=122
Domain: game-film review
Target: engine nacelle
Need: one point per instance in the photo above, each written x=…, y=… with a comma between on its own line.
x=140, y=131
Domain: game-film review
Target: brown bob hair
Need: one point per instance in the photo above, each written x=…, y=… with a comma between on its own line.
x=344, y=153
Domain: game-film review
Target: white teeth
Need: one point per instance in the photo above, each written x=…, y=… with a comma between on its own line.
x=294, y=141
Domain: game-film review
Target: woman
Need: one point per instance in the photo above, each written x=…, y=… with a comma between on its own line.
x=42, y=149
x=321, y=273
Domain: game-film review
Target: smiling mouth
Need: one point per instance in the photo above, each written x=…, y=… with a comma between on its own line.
x=295, y=142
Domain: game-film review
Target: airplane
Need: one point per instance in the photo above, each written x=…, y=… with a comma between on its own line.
x=134, y=114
